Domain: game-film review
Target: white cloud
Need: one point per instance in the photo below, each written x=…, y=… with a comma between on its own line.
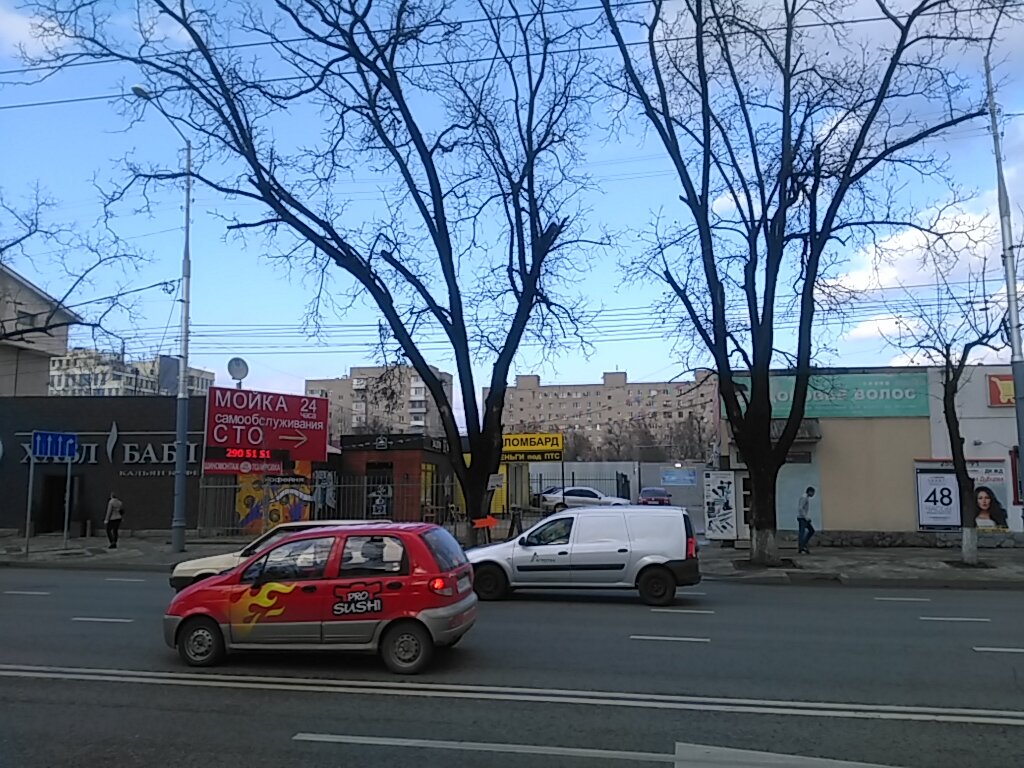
x=881, y=327
x=18, y=32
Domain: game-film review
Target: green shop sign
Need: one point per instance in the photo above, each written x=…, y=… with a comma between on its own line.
x=853, y=395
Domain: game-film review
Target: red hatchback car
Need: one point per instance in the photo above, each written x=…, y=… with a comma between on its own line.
x=399, y=589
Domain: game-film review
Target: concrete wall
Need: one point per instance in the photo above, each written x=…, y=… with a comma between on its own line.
x=994, y=429
x=23, y=372
x=867, y=472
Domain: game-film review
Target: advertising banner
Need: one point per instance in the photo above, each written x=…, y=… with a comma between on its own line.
x=532, y=447
x=720, y=506
x=853, y=395
x=938, y=501
x=247, y=424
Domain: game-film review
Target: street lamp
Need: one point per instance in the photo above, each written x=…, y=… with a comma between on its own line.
x=178, y=520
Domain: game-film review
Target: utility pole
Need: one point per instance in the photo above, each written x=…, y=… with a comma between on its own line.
x=1009, y=261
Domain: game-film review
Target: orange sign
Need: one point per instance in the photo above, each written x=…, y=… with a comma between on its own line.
x=1000, y=390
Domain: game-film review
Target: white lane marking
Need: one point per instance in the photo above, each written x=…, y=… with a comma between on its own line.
x=988, y=649
x=955, y=618
x=26, y=592
x=683, y=610
x=506, y=693
x=671, y=639
x=102, y=620
x=482, y=746
x=127, y=581
x=688, y=593
x=702, y=756
x=904, y=599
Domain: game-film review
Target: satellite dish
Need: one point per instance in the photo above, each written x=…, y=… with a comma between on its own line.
x=238, y=369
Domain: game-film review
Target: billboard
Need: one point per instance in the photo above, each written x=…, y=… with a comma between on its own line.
x=720, y=519
x=938, y=500
x=532, y=447
x=853, y=395
x=1001, y=393
x=248, y=424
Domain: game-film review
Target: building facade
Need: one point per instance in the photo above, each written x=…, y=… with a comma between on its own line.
x=381, y=400
x=532, y=406
x=874, y=445
x=32, y=331
x=92, y=373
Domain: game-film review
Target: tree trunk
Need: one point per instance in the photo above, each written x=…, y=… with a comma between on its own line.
x=763, y=481
x=969, y=545
x=474, y=490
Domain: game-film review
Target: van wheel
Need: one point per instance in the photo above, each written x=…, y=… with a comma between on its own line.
x=657, y=586
x=200, y=642
x=490, y=582
x=407, y=648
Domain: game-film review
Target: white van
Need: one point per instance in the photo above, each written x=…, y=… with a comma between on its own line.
x=652, y=549
x=191, y=571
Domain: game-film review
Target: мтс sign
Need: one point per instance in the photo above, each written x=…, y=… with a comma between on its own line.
x=246, y=419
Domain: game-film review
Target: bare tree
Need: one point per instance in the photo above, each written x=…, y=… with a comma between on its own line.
x=792, y=134
x=476, y=124
x=948, y=332
x=30, y=237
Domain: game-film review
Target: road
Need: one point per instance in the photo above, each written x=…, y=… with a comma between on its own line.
x=543, y=680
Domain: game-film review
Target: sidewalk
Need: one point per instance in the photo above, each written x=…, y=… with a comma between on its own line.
x=889, y=567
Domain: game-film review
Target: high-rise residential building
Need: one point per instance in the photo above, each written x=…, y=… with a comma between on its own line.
x=381, y=399
x=33, y=329
x=530, y=405
x=90, y=372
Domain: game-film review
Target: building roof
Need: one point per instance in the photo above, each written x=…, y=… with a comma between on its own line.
x=29, y=285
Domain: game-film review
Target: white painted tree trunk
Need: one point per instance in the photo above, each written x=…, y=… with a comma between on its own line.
x=969, y=545
x=763, y=548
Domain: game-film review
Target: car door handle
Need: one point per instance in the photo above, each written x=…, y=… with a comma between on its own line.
x=309, y=588
x=623, y=551
x=563, y=553
x=394, y=585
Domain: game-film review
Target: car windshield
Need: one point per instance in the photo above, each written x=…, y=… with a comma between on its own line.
x=551, y=489
x=445, y=549
x=653, y=493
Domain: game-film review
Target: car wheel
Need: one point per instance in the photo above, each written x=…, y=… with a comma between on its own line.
x=407, y=648
x=200, y=642
x=490, y=582
x=657, y=586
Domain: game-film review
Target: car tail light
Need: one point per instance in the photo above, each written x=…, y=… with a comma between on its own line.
x=442, y=587
x=691, y=547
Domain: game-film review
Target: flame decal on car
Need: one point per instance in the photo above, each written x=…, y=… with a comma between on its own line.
x=252, y=606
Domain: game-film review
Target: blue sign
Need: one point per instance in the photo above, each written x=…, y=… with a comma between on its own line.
x=54, y=445
x=679, y=477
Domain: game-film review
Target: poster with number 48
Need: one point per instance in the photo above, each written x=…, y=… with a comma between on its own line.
x=937, y=502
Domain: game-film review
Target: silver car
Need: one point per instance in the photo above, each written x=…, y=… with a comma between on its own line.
x=557, y=499
x=650, y=549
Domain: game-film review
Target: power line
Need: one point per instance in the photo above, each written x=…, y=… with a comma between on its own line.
x=419, y=66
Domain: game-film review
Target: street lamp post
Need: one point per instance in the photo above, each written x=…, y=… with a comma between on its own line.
x=178, y=519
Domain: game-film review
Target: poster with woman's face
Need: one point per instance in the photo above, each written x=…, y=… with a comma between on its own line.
x=989, y=510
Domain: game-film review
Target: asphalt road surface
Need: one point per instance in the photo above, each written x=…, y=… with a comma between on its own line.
x=927, y=679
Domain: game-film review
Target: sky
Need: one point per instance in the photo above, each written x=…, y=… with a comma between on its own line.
x=69, y=148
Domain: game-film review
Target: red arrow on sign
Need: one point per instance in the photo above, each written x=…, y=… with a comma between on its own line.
x=299, y=438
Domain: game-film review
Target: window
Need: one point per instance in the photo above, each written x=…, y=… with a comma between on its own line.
x=295, y=561
x=373, y=556
x=582, y=493
x=555, y=532
x=446, y=550
x=26, y=319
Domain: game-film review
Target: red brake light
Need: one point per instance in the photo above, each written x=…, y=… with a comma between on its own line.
x=441, y=587
x=691, y=547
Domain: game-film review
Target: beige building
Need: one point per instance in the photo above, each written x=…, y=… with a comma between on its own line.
x=91, y=373
x=532, y=406
x=25, y=347
x=375, y=399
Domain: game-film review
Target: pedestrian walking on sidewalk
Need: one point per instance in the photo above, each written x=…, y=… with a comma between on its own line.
x=112, y=520
x=803, y=519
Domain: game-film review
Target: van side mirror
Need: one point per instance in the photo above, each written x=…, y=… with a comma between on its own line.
x=522, y=541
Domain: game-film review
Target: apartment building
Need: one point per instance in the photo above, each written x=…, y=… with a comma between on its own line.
x=378, y=399
x=33, y=329
x=90, y=372
x=530, y=405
